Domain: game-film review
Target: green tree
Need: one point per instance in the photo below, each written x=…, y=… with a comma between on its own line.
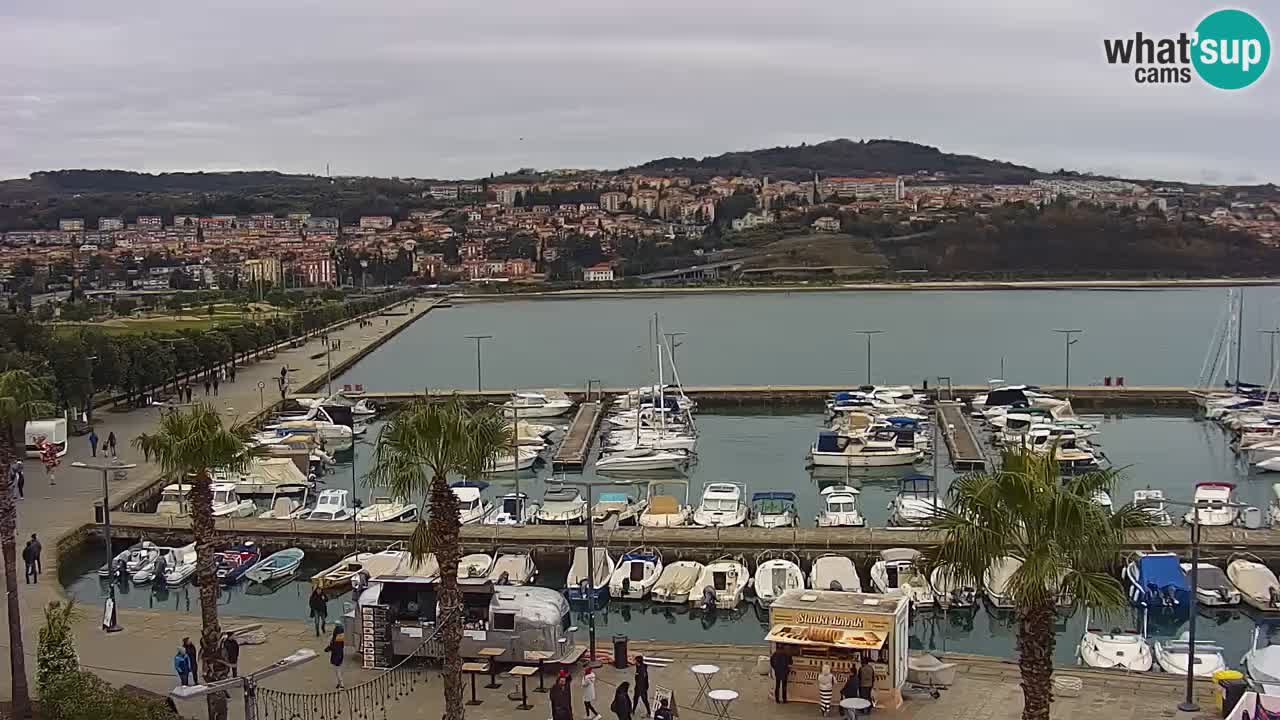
x=189, y=445
x=56, y=653
x=81, y=695
x=1065, y=541
x=417, y=451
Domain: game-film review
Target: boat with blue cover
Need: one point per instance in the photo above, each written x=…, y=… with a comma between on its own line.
x=1157, y=580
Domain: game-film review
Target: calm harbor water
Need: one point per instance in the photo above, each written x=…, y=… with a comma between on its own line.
x=1151, y=337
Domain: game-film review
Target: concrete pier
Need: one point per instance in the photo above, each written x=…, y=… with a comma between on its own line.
x=962, y=443
x=576, y=445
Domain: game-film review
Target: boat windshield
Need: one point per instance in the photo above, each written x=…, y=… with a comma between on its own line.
x=171, y=497
x=720, y=505
x=221, y=497
x=841, y=506
x=468, y=505
x=323, y=515
x=511, y=506
x=1211, y=577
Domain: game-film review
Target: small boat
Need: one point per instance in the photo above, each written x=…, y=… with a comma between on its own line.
x=834, y=572
x=271, y=476
x=340, y=573
x=175, y=500
x=561, y=506
x=916, y=503
x=636, y=574
x=472, y=507
x=1262, y=664
x=725, y=580
x=234, y=563
x=122, y=557
x=580, y=585
x=1115, y=649
x=773, y=509
x=227, y=503
x=641, y=460
x=952, y=588
x=776, y=572
x=678, y=582
x=181, y=565
x=1151, y=502
x=331, y=505
x=1156, y=580
x=277, y=565
x=840, y=507
x=512, y=509
x=1257, y=584
x=387, y=509
x=159, y=564
x=879, y=450
x=140, y=556
x=505, y=461
x=474, y=569
x=1215, y=503
x=1213, y=587
x=284, y=507
x=619, y=505
x=896, y=571
x=1207, y=658
x=536, y=405
x=722, y=505
x=995, y=582
x=666, y=510
x=512, y=567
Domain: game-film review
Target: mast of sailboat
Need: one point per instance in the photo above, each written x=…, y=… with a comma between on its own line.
x=675, y=373
x=1239, y=335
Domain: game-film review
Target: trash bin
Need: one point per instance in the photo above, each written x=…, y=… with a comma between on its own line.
x=97, y=512
x=620, y=652
x=1228, y=687
x=1251, y=518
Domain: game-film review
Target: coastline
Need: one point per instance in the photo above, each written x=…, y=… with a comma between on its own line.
x=939, y=285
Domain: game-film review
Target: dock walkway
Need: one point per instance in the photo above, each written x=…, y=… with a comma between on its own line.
x=573, y=450
x=966, y=452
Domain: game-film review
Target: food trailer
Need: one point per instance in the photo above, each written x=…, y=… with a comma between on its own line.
x=843, y=629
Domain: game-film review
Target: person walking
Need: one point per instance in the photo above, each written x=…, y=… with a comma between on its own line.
x=780, y=663
x=207, y=385
x=231, y=651
x=561, y=698
x=182, y=666
x=826, y=684
x=866, y=680
x=335, y=648
x=93, y=442
x=191, y=659
x=621, y=706
x=36, y=548
x=319, y=610
x=188, y=389
x=233, y=373
x=589, y=693
x=642, y=686
x=29, y=562
x=111, y=443
x=664, y=710
x=21, y=478
x=215, y=384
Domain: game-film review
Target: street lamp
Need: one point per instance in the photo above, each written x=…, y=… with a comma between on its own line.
x=1068, y=333
x=262, y=403
x=868, y=333
x=1271, y=373
x=109, y=611
x=591, y=563
x=248, y=682
x=479, y=339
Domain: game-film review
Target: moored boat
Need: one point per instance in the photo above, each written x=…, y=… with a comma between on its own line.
x=277, y=565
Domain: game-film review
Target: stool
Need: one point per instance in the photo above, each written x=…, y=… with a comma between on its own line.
x=473, y=669
x=721, y=700
x=523, y=672
x=704, y=674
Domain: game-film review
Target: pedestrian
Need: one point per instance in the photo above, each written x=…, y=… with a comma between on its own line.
x=780, y=663
x=111, y=443
x=36, y=548
x=589, y=693
x=319, y=610
x=826, y=684
x=191, y=659
x=206, y=387
x=215, y=384
x=93, y=442
x=188, y=387
x=233, y=373
x=664, y=710
x=866, y=680
x=621, y=706
x=231, y=651
x=850, y=690
x=22, y=479
x=642, y=686
x=335, y=650
x=182, y=666
x=561, y=698
x=29, y=561
x=284, y=373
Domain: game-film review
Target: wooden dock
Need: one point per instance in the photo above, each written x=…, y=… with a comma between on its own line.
x=573, y=450
x=966, y=452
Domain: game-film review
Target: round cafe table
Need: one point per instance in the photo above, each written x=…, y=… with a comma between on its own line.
x=852, y=706
x=721, y=700
x=704, y=674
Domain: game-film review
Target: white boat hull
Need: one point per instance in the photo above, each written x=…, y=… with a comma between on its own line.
x=836, y=459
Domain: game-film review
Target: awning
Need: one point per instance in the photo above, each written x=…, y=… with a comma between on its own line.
x=820, y=636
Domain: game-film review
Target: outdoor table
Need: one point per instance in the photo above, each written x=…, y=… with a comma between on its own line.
x=472, y=668
x=703, y=674
x=523, y=672
x=492, y=654
x=540, y=657
x=720, y=700
x=853, y=706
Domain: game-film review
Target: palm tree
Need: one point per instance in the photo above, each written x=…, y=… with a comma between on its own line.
x=1066, y=542
x=187, y=446
x=22, y=397
x=417, y=452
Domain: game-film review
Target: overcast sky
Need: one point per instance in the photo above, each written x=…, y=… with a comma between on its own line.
x=459, y=89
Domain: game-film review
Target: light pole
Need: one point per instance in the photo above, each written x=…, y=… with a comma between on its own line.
x=672, y=344
x=868, y=333
x=262, y=403
x=109, y=611
x=479, y=377
x=1271, y=371
x=591, y=565
x=328, y=366
x=1067, y=334
x=248, y=682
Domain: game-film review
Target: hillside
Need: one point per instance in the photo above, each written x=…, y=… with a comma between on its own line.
x=847, y=158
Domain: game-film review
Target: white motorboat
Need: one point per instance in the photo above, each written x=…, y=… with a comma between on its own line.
x=916, y=504
x=1258, y=585
x=331, y=505
x=1261, y=450
x=1262, y=664
x=995, y=582
x=1151, y=502
x=283, y=507
x=157, y=564
x=636, y=574
x=663, y=510
x=388, y=509
x=506, y=461
x=776, y=573
x=1215, y=504
x=618, y=505
x=1172, y=656
x=372, y=563
x=272, y=476
x=512, y=567
x=561, y=506
x=896, y=571
x=512, y=509
x=722, y=505
x=952, y=588
x=773, y=509
x=175, y=500
x=363, y=407
x=1274, y=507
x=1122, y=651
x=536, y=405
x=181, y=565
x=840, y=507
x=641, y=460
x=834, y=572
x=643, y=396
x=474, y=569
x=1268, y=465
x=879, y=450
x=724, y=579
x=678, y=582
x=122, y=557
x=1213, y=587
x=472, y=507
x=277, y=565
x=530, y=434
x=660, y=440
x=226, y=503
x=580, y=584
x=327, y=434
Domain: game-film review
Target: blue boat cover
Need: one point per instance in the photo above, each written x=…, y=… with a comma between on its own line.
x=901, y=421
x=773, y=495
x=613, y=497
x=828, y=441
x=1161, y=581
x=841, y=396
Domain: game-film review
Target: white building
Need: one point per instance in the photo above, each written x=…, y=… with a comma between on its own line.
x=752, y=220
x=598, y=273
x=376, y=222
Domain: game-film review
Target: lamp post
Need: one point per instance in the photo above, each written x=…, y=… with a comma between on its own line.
x=248, y=682
x=672, y=344
x=1271, y=369
x=869, y=333
x=591, y=563
x=262, y=403
x=109, y=610
x=479, y=377
x=328, y=366
x=1068, y=335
